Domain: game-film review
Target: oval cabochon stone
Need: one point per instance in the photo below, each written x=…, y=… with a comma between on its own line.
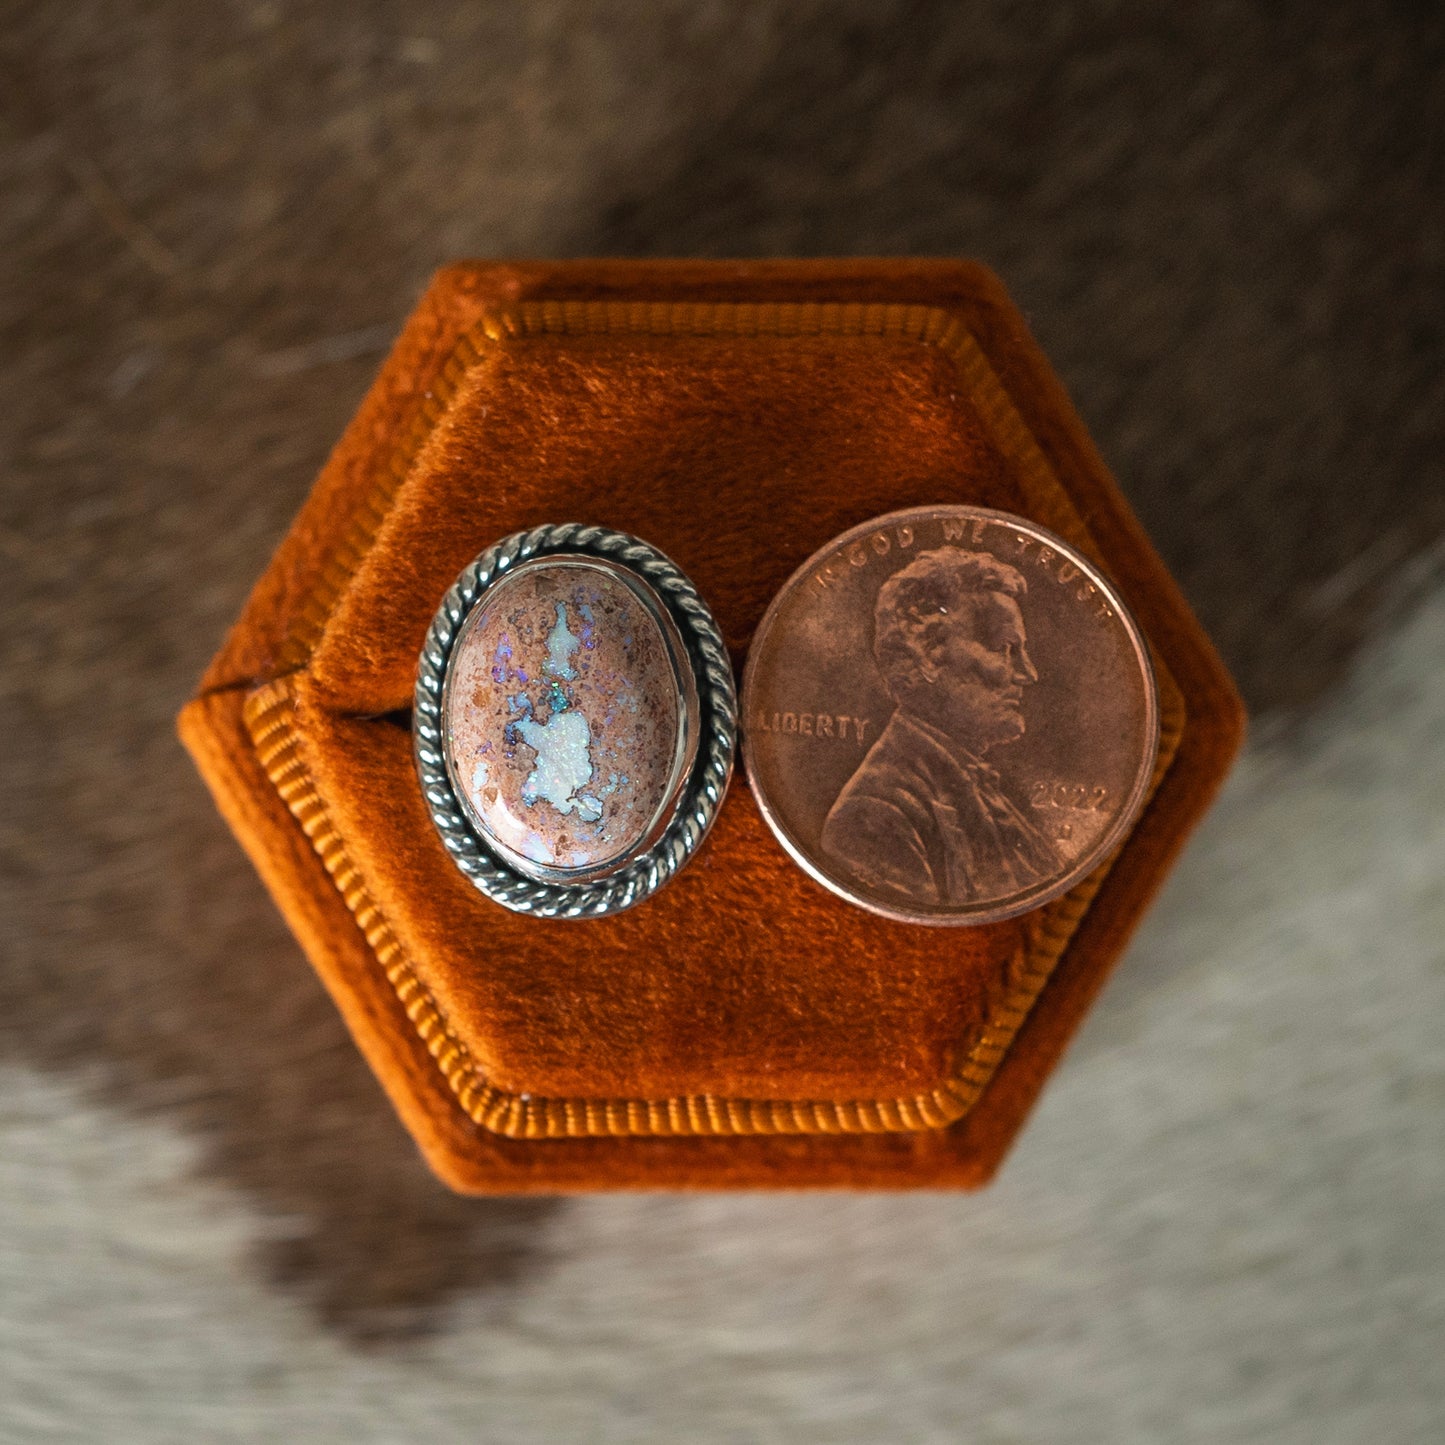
x=564, y=717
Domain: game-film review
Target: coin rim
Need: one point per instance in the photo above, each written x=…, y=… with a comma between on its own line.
x=1088, y=861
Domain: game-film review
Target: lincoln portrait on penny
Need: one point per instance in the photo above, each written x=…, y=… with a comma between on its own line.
x=924, y=815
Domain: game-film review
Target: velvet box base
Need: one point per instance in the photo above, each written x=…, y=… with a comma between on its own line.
x=743, y=1027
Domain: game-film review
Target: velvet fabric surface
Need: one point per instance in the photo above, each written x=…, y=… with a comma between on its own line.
x=743, y=1027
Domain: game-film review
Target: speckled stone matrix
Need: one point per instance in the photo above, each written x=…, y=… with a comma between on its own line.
x=562, y=717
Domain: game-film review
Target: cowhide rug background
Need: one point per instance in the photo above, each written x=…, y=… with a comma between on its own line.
x=1225, y=220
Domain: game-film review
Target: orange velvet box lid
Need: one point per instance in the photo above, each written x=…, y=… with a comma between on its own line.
x=743, y=1027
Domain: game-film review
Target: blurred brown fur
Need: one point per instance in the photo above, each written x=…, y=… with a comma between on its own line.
x=1223, y=219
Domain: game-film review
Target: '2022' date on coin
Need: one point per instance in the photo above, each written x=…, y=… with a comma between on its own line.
x=949, y=715
x=1062, y=803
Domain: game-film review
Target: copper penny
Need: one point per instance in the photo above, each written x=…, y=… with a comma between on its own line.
x=949, y=716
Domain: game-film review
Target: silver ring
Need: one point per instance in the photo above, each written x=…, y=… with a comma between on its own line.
x=520, y=872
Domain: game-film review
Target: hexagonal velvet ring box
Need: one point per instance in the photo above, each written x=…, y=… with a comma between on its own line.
x=743, y=1027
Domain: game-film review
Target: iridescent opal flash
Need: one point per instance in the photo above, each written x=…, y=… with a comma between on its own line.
x=569, y=717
